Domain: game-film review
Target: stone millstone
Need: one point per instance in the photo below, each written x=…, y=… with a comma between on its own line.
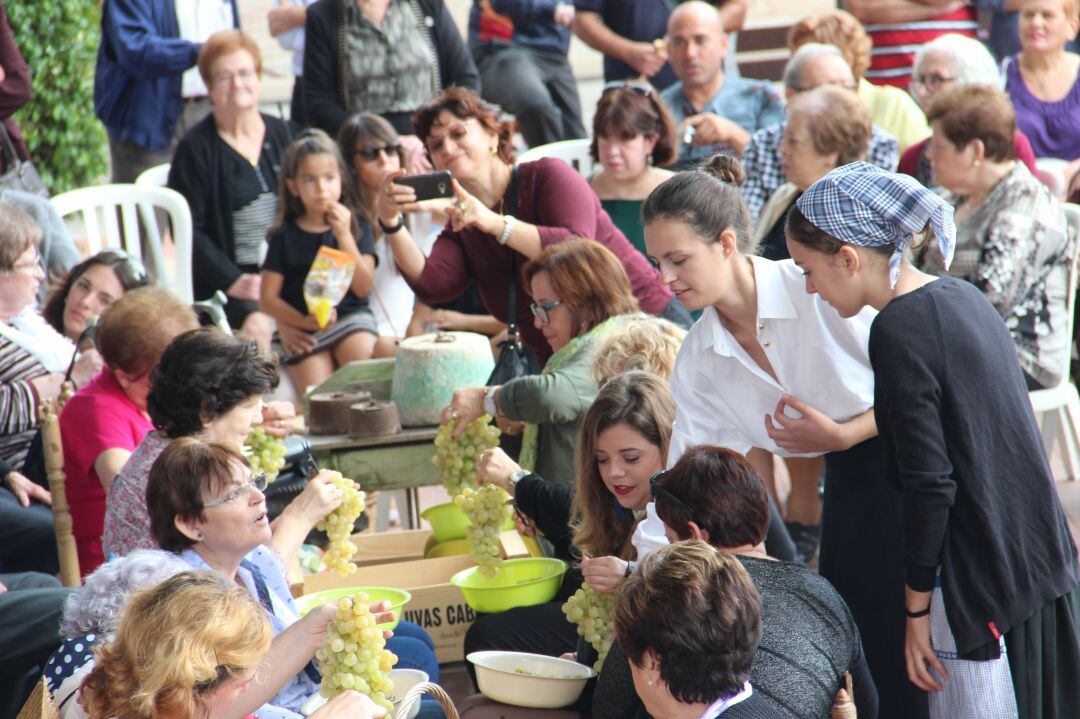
x=373, y=419
x=330, y=411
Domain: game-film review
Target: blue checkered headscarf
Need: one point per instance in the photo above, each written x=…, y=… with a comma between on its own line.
x=862, y=204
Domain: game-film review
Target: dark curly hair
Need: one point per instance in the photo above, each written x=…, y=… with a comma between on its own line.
x=463, y=104
x=202, y=375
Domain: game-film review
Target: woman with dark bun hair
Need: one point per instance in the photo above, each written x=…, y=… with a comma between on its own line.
x=796, y=383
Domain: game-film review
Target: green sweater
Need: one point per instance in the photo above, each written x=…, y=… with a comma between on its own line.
x=556, y=402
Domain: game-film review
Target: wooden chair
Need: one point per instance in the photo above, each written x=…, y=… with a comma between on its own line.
x=54, y=469
x=39, y=704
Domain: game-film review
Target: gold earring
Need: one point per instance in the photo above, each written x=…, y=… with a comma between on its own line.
x=494, y=150
x=978, y=163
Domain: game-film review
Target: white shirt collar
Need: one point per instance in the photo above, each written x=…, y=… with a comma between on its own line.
x=773, y=303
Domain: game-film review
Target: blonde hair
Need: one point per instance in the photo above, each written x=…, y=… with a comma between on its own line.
x=640, y=342
x=839, y=28
x=643, y=402
x=177, y=642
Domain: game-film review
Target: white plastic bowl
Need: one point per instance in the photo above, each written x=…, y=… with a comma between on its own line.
x=529, y=680
x=403, y=679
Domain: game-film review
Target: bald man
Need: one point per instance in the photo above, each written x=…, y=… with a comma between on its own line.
x=715, y=113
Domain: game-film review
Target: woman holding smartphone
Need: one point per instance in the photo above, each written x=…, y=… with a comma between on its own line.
x=502, y=217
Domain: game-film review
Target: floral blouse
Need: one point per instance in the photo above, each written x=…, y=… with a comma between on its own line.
x=1015, y=247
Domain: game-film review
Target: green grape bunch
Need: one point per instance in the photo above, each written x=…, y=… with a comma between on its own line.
x=592, y=612
x=338, y=526
x=354, y=654
x=456, y=458
x=487, y=510
x=264, y=452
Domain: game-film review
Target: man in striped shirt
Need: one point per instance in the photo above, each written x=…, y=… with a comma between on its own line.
x=899, y=27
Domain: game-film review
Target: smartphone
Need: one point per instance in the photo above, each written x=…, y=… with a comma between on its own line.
x=429, y=187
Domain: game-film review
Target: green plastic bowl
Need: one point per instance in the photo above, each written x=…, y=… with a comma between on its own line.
x=448, y=522
x=398, y=598
x=519, y=583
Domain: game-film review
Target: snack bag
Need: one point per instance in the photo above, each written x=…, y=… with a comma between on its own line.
x=327, y=282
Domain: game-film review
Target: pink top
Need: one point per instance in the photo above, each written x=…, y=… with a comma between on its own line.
x=99, y=417
x=127, y=521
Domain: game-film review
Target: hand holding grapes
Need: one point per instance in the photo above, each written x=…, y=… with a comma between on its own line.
x=320, y=497
x=495, y=467
x=603, y=573
x=350, y=705
x=467, y=405
x=278, y=418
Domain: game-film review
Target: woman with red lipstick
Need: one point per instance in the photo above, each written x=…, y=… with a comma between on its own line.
x=505, y=215
x=770, y=371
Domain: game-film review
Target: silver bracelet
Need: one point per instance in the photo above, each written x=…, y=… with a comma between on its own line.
x=508, y=226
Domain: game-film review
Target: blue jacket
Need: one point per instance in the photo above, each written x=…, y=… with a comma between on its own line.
x=140, y=64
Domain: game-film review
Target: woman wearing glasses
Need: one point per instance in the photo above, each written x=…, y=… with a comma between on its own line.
x=503, y=217
x=227, y=168
x=770, y=371
x=208, y=385
x=83, y=295
x=633, y=140
x=33, y=358
x=374, y=154
x=944, y=63
x=207, y=506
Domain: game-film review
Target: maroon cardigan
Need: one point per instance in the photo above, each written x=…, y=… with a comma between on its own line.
x=558, y=200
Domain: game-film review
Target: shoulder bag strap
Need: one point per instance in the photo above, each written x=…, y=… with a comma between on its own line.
x=510, y=208
x=10, y=157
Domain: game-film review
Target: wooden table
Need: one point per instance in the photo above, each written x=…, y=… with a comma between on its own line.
x=400, y=461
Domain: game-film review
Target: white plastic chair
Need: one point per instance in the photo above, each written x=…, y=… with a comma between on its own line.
x=1058, y=407
x=98, y=209
x=573, y=152
x=156, y=176
x=1051, y=171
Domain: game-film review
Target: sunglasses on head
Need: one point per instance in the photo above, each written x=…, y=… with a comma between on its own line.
x=371, y=154
x=642, y=88
x=132, y=272
x=657, y=490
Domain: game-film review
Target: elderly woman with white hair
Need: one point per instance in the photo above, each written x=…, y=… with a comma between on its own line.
x=946, y=62
x=92, y=614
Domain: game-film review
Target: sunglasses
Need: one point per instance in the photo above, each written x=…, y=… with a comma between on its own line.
x=542, y=311
x=642, y=88
x=657, y=490
x=371, y=154
x=131, y=271
x=257, y=481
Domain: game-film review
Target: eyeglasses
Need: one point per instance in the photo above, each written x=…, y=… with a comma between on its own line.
x=642, y=88
x=932, y=82
x=457, y=133
x=131, y=271
x=231, y=77
x=541, y=311
x=30, y=267
x=257, y=481
x=656, y=489
x=371, y=154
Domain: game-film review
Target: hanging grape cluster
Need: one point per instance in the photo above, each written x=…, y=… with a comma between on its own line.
x=338, y=526
x=264, y=452
x=591, y=611
x=487, y=510
x=456, y=458
x=354, y=654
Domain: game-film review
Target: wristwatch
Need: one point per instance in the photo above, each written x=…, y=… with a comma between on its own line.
x=516, y=477
x=489, y=402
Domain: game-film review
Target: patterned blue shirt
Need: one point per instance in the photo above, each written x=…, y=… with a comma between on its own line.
x=764, y=173
x=750, y=104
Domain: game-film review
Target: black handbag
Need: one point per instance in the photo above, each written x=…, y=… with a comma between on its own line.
x=515, y=359
x=19, y=174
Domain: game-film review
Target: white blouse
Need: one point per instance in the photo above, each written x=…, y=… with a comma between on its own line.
x=722, y=395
